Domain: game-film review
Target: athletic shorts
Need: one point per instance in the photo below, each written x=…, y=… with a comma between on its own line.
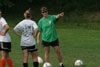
x=5, y=46
x=53, y=43
x=29, y=48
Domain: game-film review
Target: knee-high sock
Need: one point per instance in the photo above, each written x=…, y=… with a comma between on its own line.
x=2, y=62
x=9, y=62
x=35, y=64
x=25, y=64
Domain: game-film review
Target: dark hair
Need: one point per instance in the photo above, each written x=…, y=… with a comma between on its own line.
x=43, y=9
x=28, y=13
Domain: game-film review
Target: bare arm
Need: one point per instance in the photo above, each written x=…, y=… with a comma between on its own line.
x=38, y=38
x=6, y=30
x=59, y=15
x=18, y=34
x=35, y=34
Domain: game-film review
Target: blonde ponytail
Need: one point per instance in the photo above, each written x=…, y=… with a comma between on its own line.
x=28, y=14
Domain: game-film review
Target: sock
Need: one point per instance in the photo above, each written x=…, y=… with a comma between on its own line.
x=25, y=64
x=36, y=64
x=9, y=62
x=2, y=62
x=60, y=63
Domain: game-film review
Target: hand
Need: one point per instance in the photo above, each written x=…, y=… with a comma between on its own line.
x=38, y=42
x=2, y=33
x=61, y=14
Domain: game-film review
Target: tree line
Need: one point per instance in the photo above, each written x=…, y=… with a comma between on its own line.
x=64, y=5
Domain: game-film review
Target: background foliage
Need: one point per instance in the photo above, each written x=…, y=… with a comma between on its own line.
x=87, y=10
x=66, y=5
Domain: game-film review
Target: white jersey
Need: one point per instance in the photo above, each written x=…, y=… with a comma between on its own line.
x=6, y=37
x=27, y=27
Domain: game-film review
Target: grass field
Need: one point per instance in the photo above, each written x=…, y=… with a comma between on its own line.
x=75, y=43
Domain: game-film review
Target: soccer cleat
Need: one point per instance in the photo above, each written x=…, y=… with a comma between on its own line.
x=62, y=65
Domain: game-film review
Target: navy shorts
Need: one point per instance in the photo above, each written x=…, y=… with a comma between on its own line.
x=29, y=48
x=5, y=46
x=53, y=43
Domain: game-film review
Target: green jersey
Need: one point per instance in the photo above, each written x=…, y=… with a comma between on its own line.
x=47, y=28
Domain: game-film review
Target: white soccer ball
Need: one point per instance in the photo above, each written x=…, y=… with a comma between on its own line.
x=40, y=60
x=47, y=64
x=78, y=63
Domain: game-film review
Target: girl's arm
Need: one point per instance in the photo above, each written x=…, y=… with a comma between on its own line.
x=6, y=30
x=18, y=34
x=35, y=34
x=38, y=38
x=59, y=15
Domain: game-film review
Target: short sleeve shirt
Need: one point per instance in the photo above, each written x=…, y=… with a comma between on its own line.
x=47, y=27
x=27, y=27
x=6, y=37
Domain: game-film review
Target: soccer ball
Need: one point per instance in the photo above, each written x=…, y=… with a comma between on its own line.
x=78, y=63
x=40, y=60
x=47, y=64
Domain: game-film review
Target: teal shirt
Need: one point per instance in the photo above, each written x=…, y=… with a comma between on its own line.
x=47, y=27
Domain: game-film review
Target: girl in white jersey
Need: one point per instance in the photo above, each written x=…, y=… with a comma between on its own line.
x=29, y=31
x=5, y=43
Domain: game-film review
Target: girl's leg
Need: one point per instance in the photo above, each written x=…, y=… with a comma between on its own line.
x=3, y=59
x=57, y=50
x=35, y=59
x=9, y=60
x=47, y=51
x=25, y=58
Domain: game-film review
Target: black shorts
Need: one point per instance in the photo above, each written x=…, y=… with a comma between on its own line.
x=53, y=43
x=29, y=48
x=5, y=46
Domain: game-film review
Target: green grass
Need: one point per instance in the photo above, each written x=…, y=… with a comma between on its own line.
x=75, y=43
x=80, y=44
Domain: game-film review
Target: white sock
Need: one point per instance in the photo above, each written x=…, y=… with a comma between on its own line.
x=60, y=63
